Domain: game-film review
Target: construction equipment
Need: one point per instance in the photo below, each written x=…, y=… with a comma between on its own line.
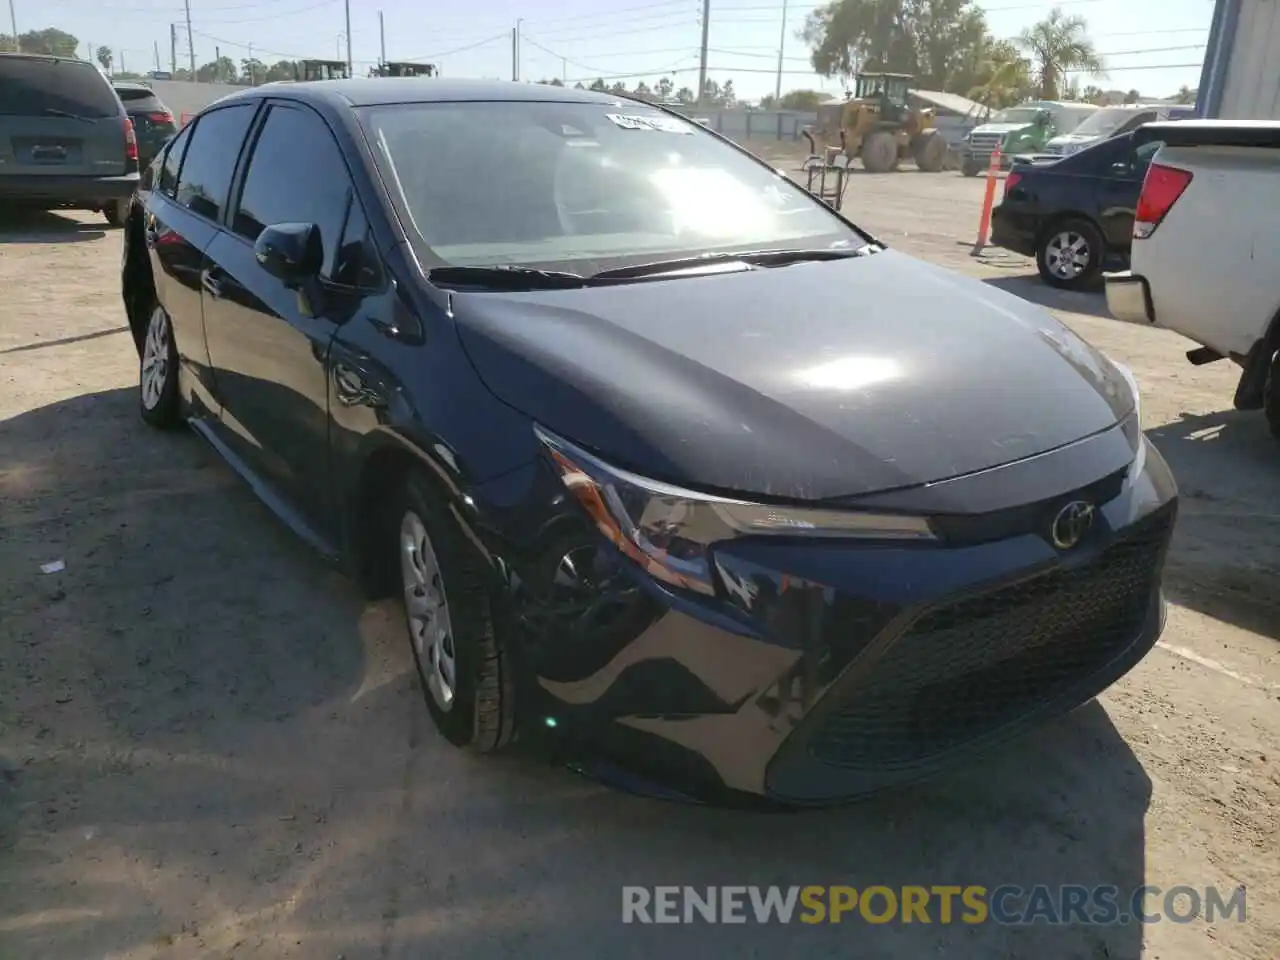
x=878, y=125
x=403, y=68
x=308, y=70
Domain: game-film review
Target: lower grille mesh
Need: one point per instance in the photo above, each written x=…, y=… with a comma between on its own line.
x=967, y=669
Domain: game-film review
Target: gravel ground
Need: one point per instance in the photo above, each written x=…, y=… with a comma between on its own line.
x=210, y=747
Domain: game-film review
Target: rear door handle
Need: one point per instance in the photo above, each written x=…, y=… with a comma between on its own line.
x=352, y=390
x=211, y=284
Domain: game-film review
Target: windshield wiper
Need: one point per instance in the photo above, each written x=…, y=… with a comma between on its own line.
x=754, y=258
x=505, y=278
x=55, y=112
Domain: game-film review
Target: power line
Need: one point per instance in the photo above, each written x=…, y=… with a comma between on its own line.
x=505, y=35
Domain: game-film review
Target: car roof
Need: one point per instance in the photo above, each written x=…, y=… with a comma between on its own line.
x=42, y=56
x=369, y=91
x=131, y=85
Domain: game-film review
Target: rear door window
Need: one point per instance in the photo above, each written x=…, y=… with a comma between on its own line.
x=33, y=87
x=210, y=161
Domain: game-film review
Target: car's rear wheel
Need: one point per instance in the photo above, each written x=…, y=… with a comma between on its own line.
x=463, y=669
x=1069, y=254
x=1271, y=396
x=116, y=212
x=158, y=372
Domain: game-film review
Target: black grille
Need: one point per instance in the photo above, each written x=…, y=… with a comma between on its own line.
x=967, y=669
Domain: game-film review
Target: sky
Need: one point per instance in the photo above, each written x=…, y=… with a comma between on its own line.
x=1154, y=46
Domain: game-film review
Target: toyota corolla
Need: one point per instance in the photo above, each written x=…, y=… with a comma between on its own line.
x=664, y=456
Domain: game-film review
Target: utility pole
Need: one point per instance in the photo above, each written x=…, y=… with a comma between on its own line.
x=173, y=49
x=518, y=23
x=13, y=20
x=702, y=57
x=122, y=66
x=217, y=64
x=515, y=46
x=156, y=44
x=564, y=71
x=382, y=39
x=350, y=69
x=782, y=43
x=191, y=41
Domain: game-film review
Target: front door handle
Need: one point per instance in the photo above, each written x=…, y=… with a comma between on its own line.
x=211, y=284
x=352, y=390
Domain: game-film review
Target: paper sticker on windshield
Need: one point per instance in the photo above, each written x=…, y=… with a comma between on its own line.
x=649, y=122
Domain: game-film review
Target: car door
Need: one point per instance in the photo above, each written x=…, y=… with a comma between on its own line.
x=269, y=344
x=1109, y=192
x=181, y=219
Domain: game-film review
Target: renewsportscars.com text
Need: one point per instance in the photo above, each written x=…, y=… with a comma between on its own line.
x=942, y=904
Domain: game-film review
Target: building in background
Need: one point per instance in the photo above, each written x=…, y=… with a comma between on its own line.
x=1241, y=75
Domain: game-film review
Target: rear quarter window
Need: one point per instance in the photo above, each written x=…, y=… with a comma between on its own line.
x=37, y=87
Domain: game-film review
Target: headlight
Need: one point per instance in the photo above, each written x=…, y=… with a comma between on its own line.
x=1133, y=387
x=668, y=530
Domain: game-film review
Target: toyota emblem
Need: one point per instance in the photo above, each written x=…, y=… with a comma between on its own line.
x=1071, y=524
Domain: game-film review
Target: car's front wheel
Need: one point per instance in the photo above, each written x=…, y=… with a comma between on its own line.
x=116, y=212
x=158, y=396
x=464, y=671
x=1069, y=255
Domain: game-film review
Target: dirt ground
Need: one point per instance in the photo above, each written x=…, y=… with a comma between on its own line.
x=209, y=747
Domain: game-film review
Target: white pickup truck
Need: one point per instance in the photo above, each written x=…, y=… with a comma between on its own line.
x=1205, y=260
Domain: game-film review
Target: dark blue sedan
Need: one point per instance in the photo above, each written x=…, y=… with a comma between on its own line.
x=668, y=460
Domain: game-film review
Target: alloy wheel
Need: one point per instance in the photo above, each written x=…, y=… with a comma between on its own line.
x=1067, y=255
x=430, y=627
x=155, y=359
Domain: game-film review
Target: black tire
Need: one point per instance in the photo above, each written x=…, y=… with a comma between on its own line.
x=158, y=398
x=1271, y=396
x=930, y=151
x=1078, y=240
x=968, y=168
x=480, y=714
x=116, y=212
x=880, y=152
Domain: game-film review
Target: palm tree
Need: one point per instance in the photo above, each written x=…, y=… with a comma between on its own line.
x=1001, y=76
x=1057, y=44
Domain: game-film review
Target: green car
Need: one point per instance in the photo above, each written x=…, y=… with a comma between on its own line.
x=152, y=120
x=65, y=139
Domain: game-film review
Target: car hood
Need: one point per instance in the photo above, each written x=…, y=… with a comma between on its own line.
x=1073, y=138
x=806, y=382
x=1001, y=128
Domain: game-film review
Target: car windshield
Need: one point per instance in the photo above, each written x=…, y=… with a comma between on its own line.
x=1016, y=115
x=31, y=87
x=583, y=186
x=1105, y=122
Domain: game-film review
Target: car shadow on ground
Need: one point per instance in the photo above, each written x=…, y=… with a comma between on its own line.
x=1244, y=588
x=211, y=745
x=46, y=227
x=1091, y=303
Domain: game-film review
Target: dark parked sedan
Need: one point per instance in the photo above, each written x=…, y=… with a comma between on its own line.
x=666, y=458
x=1075, y=214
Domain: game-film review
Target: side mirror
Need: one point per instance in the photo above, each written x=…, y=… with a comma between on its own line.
x=291, y=252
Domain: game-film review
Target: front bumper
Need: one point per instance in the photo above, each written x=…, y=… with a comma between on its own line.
x=1129, y=297
x=825, y=672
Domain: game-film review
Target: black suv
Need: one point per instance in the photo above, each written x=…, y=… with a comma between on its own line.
x=152, y=120
x=65, y=138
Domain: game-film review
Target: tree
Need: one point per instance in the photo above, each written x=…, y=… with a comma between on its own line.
x=55, y=42
x=664, y=88
x=643, y=91
x=1000, y=78
x=727, y=96
x=619, y=88
x=806, y=100
x=1186, y=95
x=1057, y=44
x=103, y=56
x=599, y=86
x=931, y=39
x=1093, y=94
x=253, y=71
x=684, y=95
x=282, y=70
x=556, y=82
x=222, y=70
x=579, y=86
